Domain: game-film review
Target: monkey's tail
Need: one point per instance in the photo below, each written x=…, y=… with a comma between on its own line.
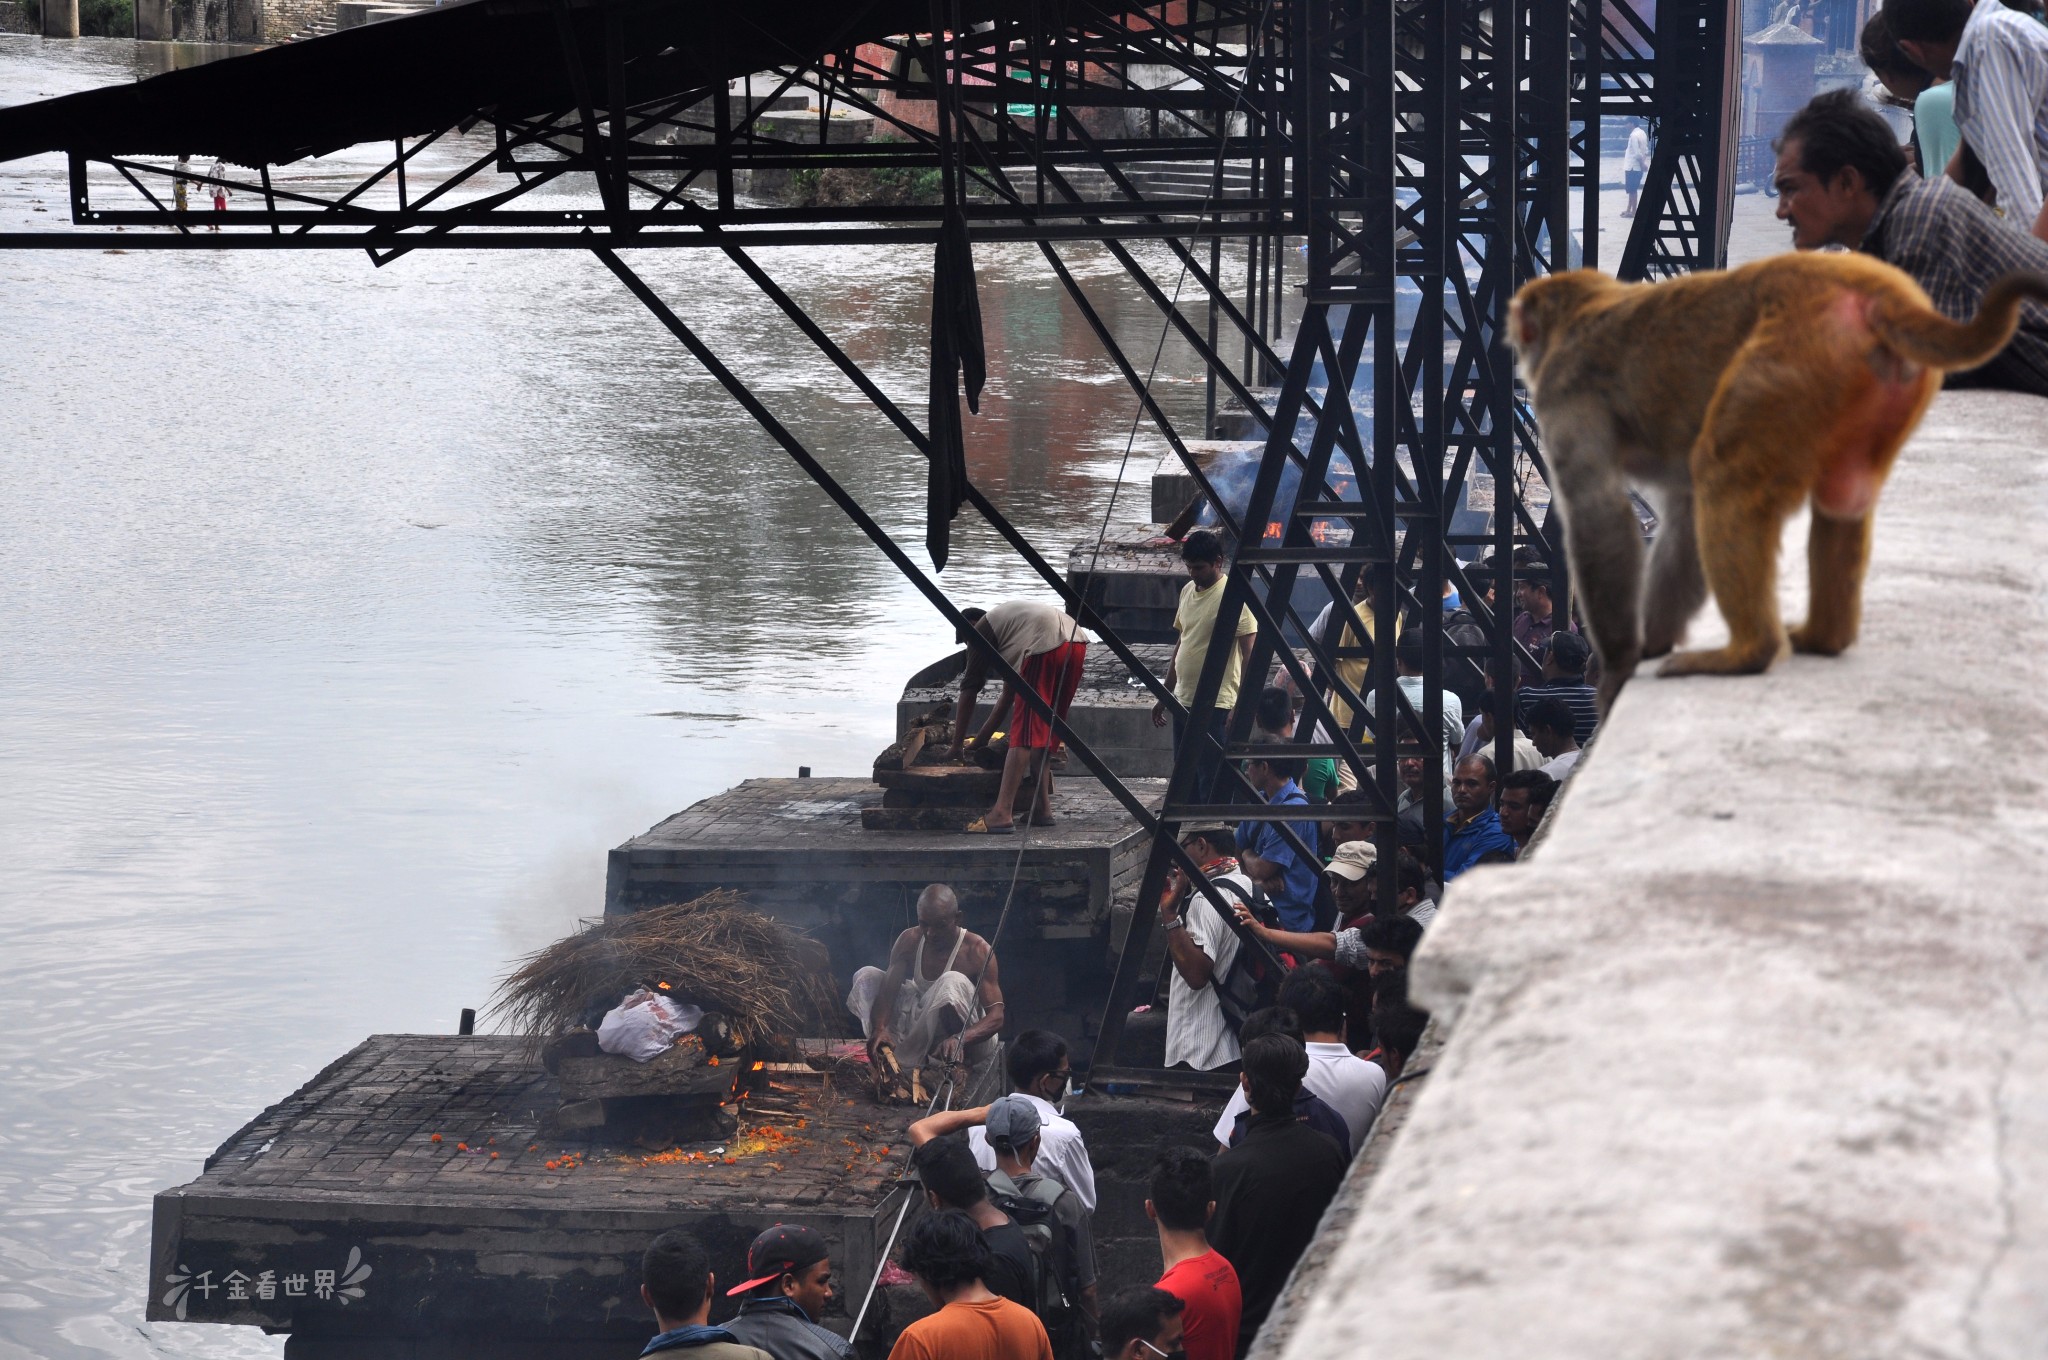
x=1926, y=336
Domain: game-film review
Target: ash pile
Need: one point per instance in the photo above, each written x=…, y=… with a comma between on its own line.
x=676, y=1024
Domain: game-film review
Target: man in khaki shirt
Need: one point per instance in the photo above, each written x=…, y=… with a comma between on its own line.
x=1195, y=621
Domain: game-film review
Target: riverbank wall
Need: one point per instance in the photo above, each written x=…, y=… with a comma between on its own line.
x=1752, y=1058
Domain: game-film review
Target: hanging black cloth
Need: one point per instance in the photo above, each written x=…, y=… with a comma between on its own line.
x=957, y=351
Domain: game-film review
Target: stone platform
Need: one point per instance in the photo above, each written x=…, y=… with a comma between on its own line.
x=1752, y=1059
x=337, y=1216
x=1109, y=713
x=796, y=848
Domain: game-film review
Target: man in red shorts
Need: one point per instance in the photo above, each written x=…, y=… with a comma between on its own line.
x=1047, y=648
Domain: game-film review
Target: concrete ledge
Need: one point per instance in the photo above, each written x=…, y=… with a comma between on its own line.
x=1753, y=1060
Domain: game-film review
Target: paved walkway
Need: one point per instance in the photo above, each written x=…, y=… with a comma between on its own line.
x=1753, y=1059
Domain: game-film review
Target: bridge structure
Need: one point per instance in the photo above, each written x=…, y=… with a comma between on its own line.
x=1399, y=166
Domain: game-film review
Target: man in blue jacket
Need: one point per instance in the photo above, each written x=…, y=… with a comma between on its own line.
x=1473, y=830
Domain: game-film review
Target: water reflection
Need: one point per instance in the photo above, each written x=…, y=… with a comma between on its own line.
x=354, y=613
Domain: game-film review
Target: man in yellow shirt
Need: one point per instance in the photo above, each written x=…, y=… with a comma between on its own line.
x=1195, y=620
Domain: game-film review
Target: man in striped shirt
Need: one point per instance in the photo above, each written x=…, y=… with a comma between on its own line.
x=1564, y=679
x=1843, y=181
x=1998, y=59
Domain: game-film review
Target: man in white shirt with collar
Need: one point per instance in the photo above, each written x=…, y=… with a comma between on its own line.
x=1348, y=1084
x=1998, y=59
x=1040, y=1070
x=1201, y=946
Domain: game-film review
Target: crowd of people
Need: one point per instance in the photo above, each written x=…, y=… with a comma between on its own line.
x=1965, y=199
x=1005, y=1247
x=1263, y=867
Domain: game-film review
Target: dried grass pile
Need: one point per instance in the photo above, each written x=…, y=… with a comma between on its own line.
x=714, y=951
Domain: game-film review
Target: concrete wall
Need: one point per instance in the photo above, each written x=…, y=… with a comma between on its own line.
x=1752, y=1060
x=282, y=18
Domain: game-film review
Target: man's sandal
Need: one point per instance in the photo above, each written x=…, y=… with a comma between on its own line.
x=980, y=827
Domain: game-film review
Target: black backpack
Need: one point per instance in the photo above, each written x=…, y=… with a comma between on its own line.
x=1031, y=1208
x=1253, y=978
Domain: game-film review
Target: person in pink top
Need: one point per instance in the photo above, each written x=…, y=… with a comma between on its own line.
x=1196, y=1273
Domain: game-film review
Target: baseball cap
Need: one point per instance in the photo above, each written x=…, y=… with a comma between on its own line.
x=782, y=1250
x=1353, y=860
x=1012, y=1120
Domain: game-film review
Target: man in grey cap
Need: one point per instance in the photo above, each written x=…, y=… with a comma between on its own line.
x=788, y=1284
x=1050, y=1214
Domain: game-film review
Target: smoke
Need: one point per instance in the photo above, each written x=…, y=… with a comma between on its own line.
x=1232, y=472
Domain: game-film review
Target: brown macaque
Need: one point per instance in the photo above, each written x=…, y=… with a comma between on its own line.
x=1730, y=398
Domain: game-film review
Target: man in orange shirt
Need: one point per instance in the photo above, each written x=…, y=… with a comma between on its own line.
x=946, y=1254
x=1196, y=1273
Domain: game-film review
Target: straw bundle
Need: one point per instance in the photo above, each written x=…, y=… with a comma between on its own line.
x=713, y=951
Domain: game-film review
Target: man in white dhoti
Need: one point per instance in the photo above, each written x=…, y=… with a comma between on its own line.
x=939, y=1003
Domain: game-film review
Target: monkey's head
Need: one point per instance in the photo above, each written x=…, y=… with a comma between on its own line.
x=1545, y=307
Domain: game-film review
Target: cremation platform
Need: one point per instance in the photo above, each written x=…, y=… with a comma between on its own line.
x=404, y=1195
x=1110, y=713
x=796, y=848
x=1173, y=489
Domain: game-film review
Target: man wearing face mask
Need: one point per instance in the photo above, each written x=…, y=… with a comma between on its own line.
x=1041, y=1072
x=1143, y=1324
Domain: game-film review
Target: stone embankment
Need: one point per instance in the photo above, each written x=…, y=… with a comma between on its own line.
x=1752, y=1058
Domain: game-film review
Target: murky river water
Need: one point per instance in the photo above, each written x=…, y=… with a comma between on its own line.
x=351, y=614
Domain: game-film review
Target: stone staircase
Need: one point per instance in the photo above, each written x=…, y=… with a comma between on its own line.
x=1176, y=179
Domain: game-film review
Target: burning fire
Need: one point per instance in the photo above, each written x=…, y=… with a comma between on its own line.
x=1329, y=533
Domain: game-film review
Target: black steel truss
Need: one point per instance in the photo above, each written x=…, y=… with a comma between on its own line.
x=1423, y=151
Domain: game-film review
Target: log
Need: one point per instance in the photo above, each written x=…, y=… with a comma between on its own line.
x=946, y=780
x=680, y=1071
x=576, y=1117
x=916, y=819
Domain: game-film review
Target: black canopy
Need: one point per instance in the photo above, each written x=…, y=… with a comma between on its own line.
x=426, y=71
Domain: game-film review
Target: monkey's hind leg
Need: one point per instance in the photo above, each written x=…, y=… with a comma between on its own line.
x=1605, y=544
x=1837, y=552
x=1739, y=528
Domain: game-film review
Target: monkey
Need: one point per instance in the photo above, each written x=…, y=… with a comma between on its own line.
x=1730, y=397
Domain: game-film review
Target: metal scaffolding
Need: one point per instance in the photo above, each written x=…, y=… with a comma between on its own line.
x=1423, y=153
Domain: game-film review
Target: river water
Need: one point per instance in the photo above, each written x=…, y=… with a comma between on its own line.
x=352, y=614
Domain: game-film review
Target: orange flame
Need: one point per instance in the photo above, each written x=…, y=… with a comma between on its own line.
x=1275, y=529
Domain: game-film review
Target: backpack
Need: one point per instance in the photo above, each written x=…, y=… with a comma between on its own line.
x=1253, y=978
x=1031, y=1208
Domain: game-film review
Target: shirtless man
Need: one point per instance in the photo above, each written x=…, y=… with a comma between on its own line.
x=940, y=1002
